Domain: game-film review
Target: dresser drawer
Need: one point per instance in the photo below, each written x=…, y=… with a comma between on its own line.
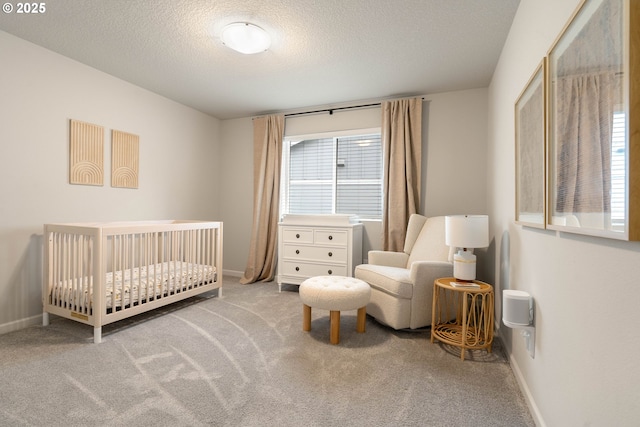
x=316, y=253
x=291, y=268
x=300, y=235
x=331, y=237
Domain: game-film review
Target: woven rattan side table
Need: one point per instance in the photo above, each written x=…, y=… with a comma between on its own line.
x=462, y=315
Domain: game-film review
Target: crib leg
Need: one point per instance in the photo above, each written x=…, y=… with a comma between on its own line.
x=45, y=318
x=97, y=335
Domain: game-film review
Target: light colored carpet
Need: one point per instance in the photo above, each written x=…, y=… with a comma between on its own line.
x=243, y=360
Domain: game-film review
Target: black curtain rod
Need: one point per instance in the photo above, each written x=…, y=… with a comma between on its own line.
x=331, y=110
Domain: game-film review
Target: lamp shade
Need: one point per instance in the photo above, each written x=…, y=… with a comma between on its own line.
x=467, y=231
x=245, y=38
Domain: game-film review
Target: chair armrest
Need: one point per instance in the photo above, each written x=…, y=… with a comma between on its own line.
x=388, y=258
x=423, y=274
x=430, y=270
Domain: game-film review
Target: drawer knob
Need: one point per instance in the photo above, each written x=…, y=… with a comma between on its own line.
x=297, y=268
x=297, y=236
x=330, y=272
x=330, y=253
x=330, y=237
x=297, y=251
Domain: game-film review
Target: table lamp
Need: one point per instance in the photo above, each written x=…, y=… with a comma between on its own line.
x=466, y=232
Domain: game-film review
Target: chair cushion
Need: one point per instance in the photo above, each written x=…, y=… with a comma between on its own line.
x=430, y=244
x=416, y=222
x=335, y=293
x=392, y=280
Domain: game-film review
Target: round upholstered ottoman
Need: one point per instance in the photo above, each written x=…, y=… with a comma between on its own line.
x=336, y=294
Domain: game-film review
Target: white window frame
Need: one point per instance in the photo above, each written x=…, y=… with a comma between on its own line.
x=288, y=141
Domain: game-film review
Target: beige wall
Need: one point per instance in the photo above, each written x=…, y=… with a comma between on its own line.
x=454, y=153
x=236, y=197
x=586, y=289
x=454, y=144
x=39, y=92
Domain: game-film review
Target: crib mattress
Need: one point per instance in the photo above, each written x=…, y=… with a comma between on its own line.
x=134, y=285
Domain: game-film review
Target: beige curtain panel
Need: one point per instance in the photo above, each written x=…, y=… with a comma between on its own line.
x=402, y=148
x=267, y=155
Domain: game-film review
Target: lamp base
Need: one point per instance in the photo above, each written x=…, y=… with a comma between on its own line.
x=464, y=265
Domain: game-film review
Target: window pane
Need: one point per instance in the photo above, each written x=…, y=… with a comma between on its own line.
x=359, y=176
x=310, y=197
x=361, y=158
x=363, y=199
x=311, y=177
x=312, y=159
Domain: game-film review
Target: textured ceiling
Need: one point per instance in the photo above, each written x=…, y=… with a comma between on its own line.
x=324, y=52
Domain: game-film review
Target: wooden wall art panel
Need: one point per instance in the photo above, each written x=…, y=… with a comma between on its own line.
x=125, y=149
x=86, y=153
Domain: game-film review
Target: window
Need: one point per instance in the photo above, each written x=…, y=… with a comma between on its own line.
x=618, y=168
x=326, y=174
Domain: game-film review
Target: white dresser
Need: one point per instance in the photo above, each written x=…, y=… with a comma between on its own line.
x=317, y=245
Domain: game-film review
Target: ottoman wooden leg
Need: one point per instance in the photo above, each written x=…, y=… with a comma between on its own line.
x=306, y=317
x=335, y=327
x=362, y=317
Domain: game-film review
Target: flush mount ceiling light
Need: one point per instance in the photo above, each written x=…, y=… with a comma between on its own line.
x=245, y=38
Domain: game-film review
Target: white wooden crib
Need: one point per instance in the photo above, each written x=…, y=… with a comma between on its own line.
x=99, y=273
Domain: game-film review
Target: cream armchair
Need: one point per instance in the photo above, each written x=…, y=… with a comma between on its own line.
x=402, y=282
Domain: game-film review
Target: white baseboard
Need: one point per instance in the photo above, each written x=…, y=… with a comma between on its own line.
x=16, y=325
x=524, y=388
x=232, y=273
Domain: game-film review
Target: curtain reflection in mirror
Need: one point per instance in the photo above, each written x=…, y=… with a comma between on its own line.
x=588, y=90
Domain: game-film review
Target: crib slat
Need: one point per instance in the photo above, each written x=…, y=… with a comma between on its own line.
x=78, y=272
x=128, y=253
x=179, y=247
x=90, y=271
x=75, y=249
x=182, y=253
x=55, y=268
x=174, y=256
x=187, y=259
x=67, y=266
x=139, y=262
x=156, y=252
x=63, y=268
x=113, y=269
x=195, y=270
x=131, y=239
x=164, y=264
